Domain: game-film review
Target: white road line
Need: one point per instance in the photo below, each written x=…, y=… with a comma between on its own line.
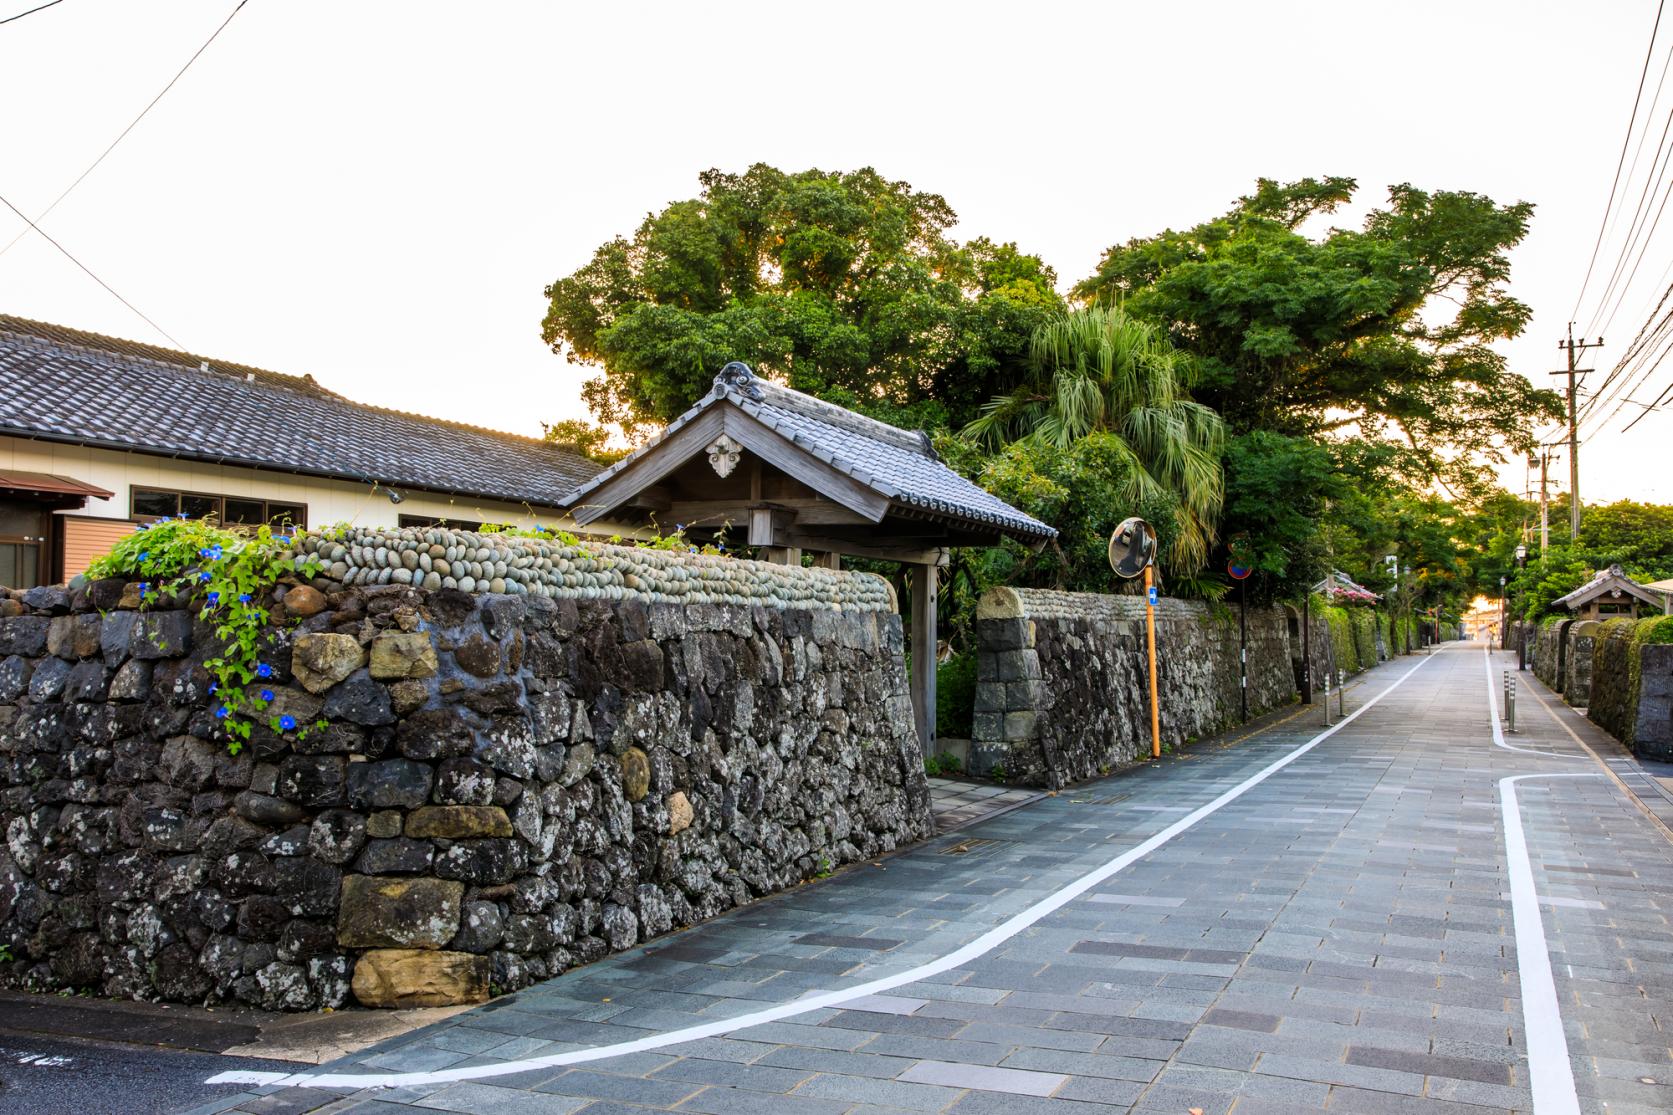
x=988, y=941
x=1493, y=715
x=1550, y=1076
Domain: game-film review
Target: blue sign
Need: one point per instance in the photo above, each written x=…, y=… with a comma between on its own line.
x=1152, y=596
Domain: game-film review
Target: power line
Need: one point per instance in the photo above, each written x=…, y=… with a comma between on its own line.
x=31, y=11
x=1632, y=171
x=42, y=215
x=1657, y=163
x=1626, y=141
x=89, y=271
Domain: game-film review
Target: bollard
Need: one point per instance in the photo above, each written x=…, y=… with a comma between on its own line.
x=1342, y=695
x=1510, y=706
x=1327, y=699
x=1504, y=694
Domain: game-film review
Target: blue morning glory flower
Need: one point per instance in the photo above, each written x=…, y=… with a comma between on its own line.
x=145, y=555
x=214, y=599
x=221, y=712
x=203, y=578
x=267, y=695
x=214, y=687
x=243, y=598
x=263, y=670
x=287, y=723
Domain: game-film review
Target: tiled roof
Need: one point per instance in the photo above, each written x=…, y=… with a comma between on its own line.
x=66, y=385
x=900, y=465
x=1612, y=580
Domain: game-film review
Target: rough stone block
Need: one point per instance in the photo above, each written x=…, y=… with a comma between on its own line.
x=73, y=637
x=361, y=701
x=636, y=774
x=1006, y=634
x=407, y=978
x=161, y=635
x=1019, y=725
x=377, y=912
x=390, y=784
x=320, y=661
x=456, y=822
x=402, y=654
x=679, y=813
x=24, y=635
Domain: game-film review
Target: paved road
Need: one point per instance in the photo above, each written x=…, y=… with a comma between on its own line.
x=1365, y=922
x=56, y=1076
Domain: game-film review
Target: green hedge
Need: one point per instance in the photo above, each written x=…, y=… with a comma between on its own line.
x=1656, y=629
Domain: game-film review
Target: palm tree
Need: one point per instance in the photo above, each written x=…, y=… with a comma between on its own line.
x=1098, y=370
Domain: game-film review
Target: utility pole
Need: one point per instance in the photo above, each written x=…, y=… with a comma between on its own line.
x=1573, y=348
x=1544, y=506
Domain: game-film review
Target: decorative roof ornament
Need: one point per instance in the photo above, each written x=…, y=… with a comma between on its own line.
x=736, y=376
x=723, y=455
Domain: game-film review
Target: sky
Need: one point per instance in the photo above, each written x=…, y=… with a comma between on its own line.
x=376, y=192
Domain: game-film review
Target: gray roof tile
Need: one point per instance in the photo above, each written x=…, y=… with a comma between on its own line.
x=900, y=465
x=67, y=385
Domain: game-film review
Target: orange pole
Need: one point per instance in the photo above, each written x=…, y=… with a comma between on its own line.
x=1150, y=633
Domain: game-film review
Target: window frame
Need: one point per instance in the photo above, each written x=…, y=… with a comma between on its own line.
x=220, y=505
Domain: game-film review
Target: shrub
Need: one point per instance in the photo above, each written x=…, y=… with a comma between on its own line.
x=955, y=696
x=227, y=573
x=1656, y=629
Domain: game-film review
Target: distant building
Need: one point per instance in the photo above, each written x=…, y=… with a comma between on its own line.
x=98, y=435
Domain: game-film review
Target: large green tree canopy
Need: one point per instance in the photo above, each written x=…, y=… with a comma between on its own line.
x=1384, y=331
x=845, y=285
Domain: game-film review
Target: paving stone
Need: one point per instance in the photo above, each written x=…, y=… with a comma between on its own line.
x=984, y=1078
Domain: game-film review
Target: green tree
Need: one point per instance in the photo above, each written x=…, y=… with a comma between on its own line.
x=843, y=284
x=1384, y=332
x=1101, y=371
x=1084, y=490
x=580, y=436
x=1278, y=490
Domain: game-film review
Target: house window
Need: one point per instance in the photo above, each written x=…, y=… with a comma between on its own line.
x=232, y=511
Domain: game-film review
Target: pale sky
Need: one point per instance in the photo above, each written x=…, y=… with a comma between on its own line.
x=376, y=192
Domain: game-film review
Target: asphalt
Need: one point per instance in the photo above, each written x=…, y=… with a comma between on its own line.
x=42, y=1075
x=1377, y=920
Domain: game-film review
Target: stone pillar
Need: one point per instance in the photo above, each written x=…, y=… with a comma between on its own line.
x=1008, y=689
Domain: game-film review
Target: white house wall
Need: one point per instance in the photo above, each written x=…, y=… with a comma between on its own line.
x=328, y=501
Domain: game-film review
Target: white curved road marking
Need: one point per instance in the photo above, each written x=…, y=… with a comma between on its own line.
x=1493, y=715
x=988, y=941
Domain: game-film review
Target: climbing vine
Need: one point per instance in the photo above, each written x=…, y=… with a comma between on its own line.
x=228, y=573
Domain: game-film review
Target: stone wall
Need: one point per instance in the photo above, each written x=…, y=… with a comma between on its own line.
x=1632, y=690
x=1062, y=693
x=509, y=785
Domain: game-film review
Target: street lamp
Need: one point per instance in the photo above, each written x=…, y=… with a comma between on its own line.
x=1521, y=628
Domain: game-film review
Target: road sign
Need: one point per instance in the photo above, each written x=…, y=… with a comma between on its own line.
x=1238, y=572
x=1152, y=596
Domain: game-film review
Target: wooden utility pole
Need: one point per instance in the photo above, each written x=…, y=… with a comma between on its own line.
x=1573, y=348
x=1544, y=506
